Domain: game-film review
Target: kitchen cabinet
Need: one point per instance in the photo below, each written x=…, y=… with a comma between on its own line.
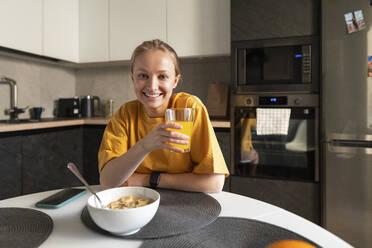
x=84, y=31
x=21, y=25
x=302, y=198
x=45, y=154
x=35, y=160
x=92, y=136
x=199, y=28
x=223, y=137
x=10, y=166
x=61, y=29
x=93, y=31
x=132, y=22
x=264, y=19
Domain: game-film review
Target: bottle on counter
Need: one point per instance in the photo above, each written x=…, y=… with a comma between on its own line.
x=109, y=108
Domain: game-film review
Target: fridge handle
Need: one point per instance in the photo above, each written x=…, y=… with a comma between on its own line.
x=348, y=149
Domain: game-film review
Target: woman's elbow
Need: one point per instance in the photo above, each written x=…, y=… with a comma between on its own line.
x=217, y=184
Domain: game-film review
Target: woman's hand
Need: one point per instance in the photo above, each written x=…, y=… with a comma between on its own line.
x=161, y=136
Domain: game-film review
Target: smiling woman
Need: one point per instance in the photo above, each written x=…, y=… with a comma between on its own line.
x=136, y=149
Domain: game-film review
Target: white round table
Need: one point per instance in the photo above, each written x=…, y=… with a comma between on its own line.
x=69, y=231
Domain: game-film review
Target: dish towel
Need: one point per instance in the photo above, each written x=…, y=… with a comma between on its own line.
x=273, y=121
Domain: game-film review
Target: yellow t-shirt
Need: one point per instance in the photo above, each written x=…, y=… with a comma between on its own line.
x=131, y=123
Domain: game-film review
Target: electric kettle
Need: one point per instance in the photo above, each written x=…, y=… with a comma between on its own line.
x=90, y=106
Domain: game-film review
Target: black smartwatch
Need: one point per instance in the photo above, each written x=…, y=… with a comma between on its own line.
x=154, y=179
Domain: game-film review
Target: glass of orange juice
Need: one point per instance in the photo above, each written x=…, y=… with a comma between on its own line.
x=184, y=117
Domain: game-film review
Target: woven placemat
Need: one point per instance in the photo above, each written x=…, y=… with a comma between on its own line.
x=23, y=227
x=179, y=212
x=228, y=232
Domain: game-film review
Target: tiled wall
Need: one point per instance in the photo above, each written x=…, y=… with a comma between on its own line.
x=114, y=82
x=41, y=83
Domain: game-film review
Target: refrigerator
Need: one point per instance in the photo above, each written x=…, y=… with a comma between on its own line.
x=346, y=121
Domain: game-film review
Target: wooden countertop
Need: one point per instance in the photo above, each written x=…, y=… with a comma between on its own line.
x=11, y=127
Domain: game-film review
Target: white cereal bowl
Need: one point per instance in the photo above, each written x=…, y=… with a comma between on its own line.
x=123, y=221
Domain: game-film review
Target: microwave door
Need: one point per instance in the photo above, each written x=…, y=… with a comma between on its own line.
x=278, y=65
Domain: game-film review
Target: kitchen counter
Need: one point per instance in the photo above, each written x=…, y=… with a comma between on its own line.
x=52, y=123
x=69, y=231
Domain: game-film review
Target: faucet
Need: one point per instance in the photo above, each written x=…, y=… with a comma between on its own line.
x=13, y=111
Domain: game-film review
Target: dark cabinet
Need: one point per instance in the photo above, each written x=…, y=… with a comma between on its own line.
x=92, y=136
x=35, y=160
x=45, y=155
x=223, y=137
x=264, y=19
x=10, y=166
x=301, y=198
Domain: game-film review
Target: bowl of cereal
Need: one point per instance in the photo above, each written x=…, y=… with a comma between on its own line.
x=127, y=210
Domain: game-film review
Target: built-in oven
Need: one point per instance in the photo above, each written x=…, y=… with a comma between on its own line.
x=280, y=64
x=275, y=136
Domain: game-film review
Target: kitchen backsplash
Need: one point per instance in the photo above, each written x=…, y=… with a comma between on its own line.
x=39, y=83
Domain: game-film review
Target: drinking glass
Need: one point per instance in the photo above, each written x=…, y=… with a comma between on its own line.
x=184, y=117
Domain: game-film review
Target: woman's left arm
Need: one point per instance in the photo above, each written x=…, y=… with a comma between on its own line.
x=207, y=183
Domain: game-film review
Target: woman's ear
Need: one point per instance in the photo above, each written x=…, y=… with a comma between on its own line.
x=176, y=80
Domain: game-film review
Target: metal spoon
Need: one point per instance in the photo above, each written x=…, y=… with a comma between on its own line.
x=72, y=167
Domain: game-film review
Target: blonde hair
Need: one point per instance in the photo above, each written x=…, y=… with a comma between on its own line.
x=155, y=44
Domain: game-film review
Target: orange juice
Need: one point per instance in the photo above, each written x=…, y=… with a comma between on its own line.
x=186, y=129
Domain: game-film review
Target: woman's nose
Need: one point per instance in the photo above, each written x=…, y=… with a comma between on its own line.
x=152, y=83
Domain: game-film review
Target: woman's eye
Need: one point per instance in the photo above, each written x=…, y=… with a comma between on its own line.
x=163, y=76
x=142, y=76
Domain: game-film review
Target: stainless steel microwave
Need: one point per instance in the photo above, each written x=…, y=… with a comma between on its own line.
x=282, y=64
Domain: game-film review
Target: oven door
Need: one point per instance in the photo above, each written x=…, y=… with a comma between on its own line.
x=290, y=155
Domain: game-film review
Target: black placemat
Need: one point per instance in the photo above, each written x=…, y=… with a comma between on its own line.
x=227, y=232
x=23, y=227
x=179, y=212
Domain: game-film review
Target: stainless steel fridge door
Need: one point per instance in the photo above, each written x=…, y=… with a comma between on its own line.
x=345, y=82
x=348, y=192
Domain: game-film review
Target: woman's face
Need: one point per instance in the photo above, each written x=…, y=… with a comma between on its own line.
x=154, y=78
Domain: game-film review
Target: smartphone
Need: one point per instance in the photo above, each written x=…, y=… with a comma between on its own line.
x=60, y=198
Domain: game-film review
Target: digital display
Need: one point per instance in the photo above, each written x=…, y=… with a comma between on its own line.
x=272, y=100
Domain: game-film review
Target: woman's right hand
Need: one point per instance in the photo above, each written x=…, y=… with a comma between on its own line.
x=161, y=136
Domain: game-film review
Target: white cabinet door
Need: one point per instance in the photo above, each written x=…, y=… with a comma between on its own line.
x=132, y=22
x=20, y=25
x=93, y=31
x=199, y=27
x=61, y=29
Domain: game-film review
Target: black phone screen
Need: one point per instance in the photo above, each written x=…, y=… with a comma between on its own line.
x=62, y=197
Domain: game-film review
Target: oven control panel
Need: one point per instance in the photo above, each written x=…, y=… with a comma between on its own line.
x=272, y=100
x=277, y=100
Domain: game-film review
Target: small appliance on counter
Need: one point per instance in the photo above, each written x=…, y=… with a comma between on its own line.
x=90, y=106
x=109, y=108
x=68, y=107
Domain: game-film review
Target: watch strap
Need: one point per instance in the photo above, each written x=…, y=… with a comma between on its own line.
x=154, y=179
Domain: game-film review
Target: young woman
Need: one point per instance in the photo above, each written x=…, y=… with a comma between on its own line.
x=135, y=148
